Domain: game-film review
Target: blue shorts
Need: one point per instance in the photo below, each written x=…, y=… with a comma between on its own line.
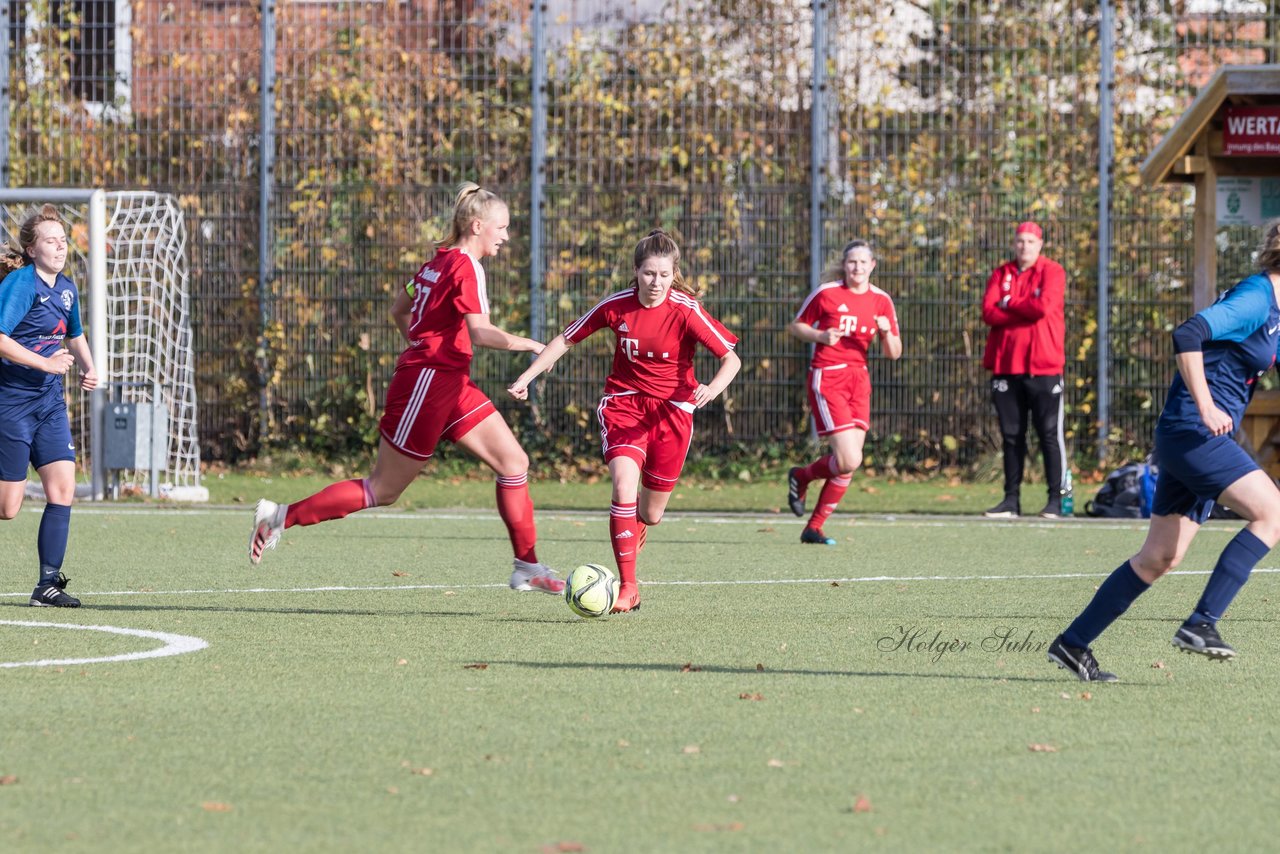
x=1194, y=470
x=35, y=432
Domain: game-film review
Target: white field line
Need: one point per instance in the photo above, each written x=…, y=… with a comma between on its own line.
x=890, y=579
x=173, y=644
x=898, y=520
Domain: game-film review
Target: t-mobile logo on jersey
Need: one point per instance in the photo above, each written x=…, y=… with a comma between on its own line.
x=631, y=347
x=848, y=324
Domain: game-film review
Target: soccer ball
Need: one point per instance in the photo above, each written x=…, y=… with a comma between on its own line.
x=591, y=590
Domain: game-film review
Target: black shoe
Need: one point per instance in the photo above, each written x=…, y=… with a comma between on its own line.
x=814, y=536
x=1007, y=509
x=795, y=495
x=53, y=595
x=1079, y=661
x=1204, y=639
x=1052, y=510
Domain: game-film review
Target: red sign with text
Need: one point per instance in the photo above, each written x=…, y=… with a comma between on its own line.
x=1251, y=131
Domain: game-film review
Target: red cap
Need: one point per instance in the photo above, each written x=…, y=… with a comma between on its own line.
x=1029, y=228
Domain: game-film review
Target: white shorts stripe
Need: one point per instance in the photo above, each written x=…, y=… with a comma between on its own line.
x=410, y=413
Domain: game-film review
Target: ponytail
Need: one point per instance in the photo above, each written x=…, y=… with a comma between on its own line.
x=470, y=204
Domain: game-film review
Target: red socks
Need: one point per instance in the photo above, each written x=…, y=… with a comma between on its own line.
x=820, y=469
x=832, y=491
x=624, y=535
x=516, y=509
x=333, y=502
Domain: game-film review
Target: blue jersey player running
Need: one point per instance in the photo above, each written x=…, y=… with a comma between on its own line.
x=40, y=338
x=1221, y=353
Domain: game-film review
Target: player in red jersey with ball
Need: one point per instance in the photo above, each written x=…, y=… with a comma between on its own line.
x=840, y=319
x=646, y=414
x=442, y=312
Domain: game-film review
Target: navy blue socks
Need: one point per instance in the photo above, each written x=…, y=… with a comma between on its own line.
x=1234, y=565
x=52, y=540
x=1113, y=598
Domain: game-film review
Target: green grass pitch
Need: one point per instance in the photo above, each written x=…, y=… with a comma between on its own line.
x=374, y=686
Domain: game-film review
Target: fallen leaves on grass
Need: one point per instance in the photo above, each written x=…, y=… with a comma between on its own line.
x=776, y=763
x=945, y=497
x=479, y=665
x=216, y=806
x=691, y=749
x=8, y=779
x=399, y=573
x=1157, y=665
x=422, y=772
x=746, y=696
x=400, y=662
x=759, y=667
x=766, y=530
x=861, y=804
x=689, y=667
x=1042, y=748
x=564, y=848
x=731, y=827
x=835, y=584
x=1086, y=695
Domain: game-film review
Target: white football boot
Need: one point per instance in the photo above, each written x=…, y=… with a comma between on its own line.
x=268, y=525
x=535, y=576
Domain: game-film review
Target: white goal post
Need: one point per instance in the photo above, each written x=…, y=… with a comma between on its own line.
x=128, y=253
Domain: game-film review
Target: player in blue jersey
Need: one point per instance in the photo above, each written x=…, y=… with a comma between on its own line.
x=1221, y=352
x=40, y=339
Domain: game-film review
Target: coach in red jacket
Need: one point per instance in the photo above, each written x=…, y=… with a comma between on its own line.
x=1023, y=307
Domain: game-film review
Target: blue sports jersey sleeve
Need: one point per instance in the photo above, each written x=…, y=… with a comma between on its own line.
x=74, y=328
x=17, y=293
x=1241, y=310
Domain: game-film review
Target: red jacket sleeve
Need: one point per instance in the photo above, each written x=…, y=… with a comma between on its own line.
x=1048, y=300
x=992, y=313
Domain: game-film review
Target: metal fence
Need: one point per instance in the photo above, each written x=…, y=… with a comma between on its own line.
x=929, y=128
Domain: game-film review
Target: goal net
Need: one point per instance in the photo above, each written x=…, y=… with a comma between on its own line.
x=127, y=254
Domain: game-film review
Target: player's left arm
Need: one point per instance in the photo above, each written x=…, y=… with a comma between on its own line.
x=730, y=364
x=79, y=348
x=887, y=327
x=485, y=334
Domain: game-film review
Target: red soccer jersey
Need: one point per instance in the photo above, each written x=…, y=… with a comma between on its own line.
x=833, y=306
x=448, y=287
x=654, y=354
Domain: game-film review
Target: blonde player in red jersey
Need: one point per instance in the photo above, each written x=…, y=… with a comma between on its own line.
x=840, y=319
x=442, y=312
x=646, y=414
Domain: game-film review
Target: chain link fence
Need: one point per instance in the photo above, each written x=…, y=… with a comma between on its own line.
x=940, y=125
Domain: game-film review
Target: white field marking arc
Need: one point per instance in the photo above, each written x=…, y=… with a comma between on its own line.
x=898, y=579
x=173, y=644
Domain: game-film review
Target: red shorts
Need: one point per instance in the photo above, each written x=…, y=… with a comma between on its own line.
x=840, y=398
x=425, y=405
x=653, y=432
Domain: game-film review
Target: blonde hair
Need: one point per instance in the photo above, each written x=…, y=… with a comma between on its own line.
x=1269, y=249
x=11, y=260
x=470, y=204
x=659, y=244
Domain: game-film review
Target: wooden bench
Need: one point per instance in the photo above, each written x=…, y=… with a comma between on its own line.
x=1261, y=429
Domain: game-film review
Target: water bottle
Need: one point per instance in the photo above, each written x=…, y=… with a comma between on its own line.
x=1068, y=499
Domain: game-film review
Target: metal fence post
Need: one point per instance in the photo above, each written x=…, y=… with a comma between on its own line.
x=266, y=151
x=537, y=169
x=4, y=94
x=1106, y=149
x=817, y=142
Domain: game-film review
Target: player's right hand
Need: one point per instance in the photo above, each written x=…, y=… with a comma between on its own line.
x=60, y=362
x=519, y=390
x=1218, y=422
